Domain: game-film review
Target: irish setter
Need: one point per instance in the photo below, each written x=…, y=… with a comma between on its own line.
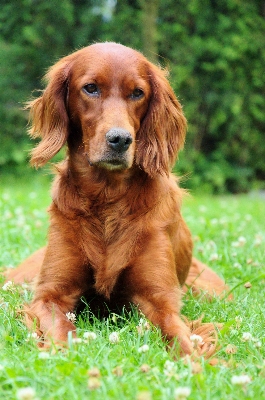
x=116, y=232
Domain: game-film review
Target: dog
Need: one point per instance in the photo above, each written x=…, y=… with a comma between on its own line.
x=116, y=231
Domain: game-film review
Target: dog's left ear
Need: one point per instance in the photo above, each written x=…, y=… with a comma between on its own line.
x=163, y=130
x=49, y=116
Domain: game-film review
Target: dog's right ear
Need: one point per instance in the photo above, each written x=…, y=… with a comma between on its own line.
x=49, y=115
x=163, y=129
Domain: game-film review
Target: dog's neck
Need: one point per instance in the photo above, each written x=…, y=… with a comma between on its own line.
x=89, y=177
x=97, y=189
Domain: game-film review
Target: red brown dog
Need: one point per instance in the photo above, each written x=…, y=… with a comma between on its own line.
x=116, y=230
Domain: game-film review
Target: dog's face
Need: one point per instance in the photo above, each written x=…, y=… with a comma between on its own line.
x=108, y=97
x=113, y=107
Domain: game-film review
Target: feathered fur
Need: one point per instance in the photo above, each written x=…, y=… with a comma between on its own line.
x=116, y=231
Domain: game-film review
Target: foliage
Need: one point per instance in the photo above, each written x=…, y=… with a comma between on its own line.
x=218, y=50
x=214, y=50
x=229, y=235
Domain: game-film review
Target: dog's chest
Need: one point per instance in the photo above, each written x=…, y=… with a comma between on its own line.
x=110, y=240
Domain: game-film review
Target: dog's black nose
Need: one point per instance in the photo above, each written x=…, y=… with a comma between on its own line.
x=119, y=139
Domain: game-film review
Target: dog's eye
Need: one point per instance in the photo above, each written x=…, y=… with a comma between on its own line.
x=137, y=94
x=91, y=89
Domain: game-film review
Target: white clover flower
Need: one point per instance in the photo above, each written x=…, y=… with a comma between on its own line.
x=143, y=349
x=169, y=365
x=181, y=393
x=247, y=285
x=25, y=286
x=114, y=337
x=27, y=393
x=196, y=340
x=43, y=355
x=202, y=208
x=4, y=305
x=257, y=343
x=77, y=340
x=258, y=240
x=169, y=368
x=33, y=195
x=19, y=210
x=89, y=335
x=32, y=336
x=144, y=323
x=200, y=249
x=247, y=337
x=231, y=349
x=143, y=326
x=238, y=321
x=237, y=265
x=242, y=241
x=211, y=244
x=38, y=224
x=183, y=374
x=214, y=257
x=233, y=332
x=214, y=221
x=71, y=316
x=8, y=286
x=202, y=220
x=7, y=215
x=223, y=220
x=93, y=383
x=6, y=196
x=240, y=380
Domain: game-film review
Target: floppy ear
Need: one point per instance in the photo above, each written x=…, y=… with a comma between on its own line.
x=163, y=129
x=49, y=116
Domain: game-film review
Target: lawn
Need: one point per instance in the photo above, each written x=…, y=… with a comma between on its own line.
x=123, y=357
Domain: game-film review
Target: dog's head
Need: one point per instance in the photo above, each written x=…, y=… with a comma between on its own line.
x=109, y=103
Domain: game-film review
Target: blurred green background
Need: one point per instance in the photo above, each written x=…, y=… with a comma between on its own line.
x=215, y=51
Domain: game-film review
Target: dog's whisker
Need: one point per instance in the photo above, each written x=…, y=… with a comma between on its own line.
x=89, y=162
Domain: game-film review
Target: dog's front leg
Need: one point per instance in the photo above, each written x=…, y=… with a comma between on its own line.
x=158, y=307
x=49, y=319
x=60, y=284
x=153, y=286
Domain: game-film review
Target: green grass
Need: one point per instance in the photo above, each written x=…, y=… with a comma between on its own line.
x=229, y=235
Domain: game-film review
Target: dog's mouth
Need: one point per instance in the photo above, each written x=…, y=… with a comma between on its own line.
x=110, y=164
x=113, y=164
